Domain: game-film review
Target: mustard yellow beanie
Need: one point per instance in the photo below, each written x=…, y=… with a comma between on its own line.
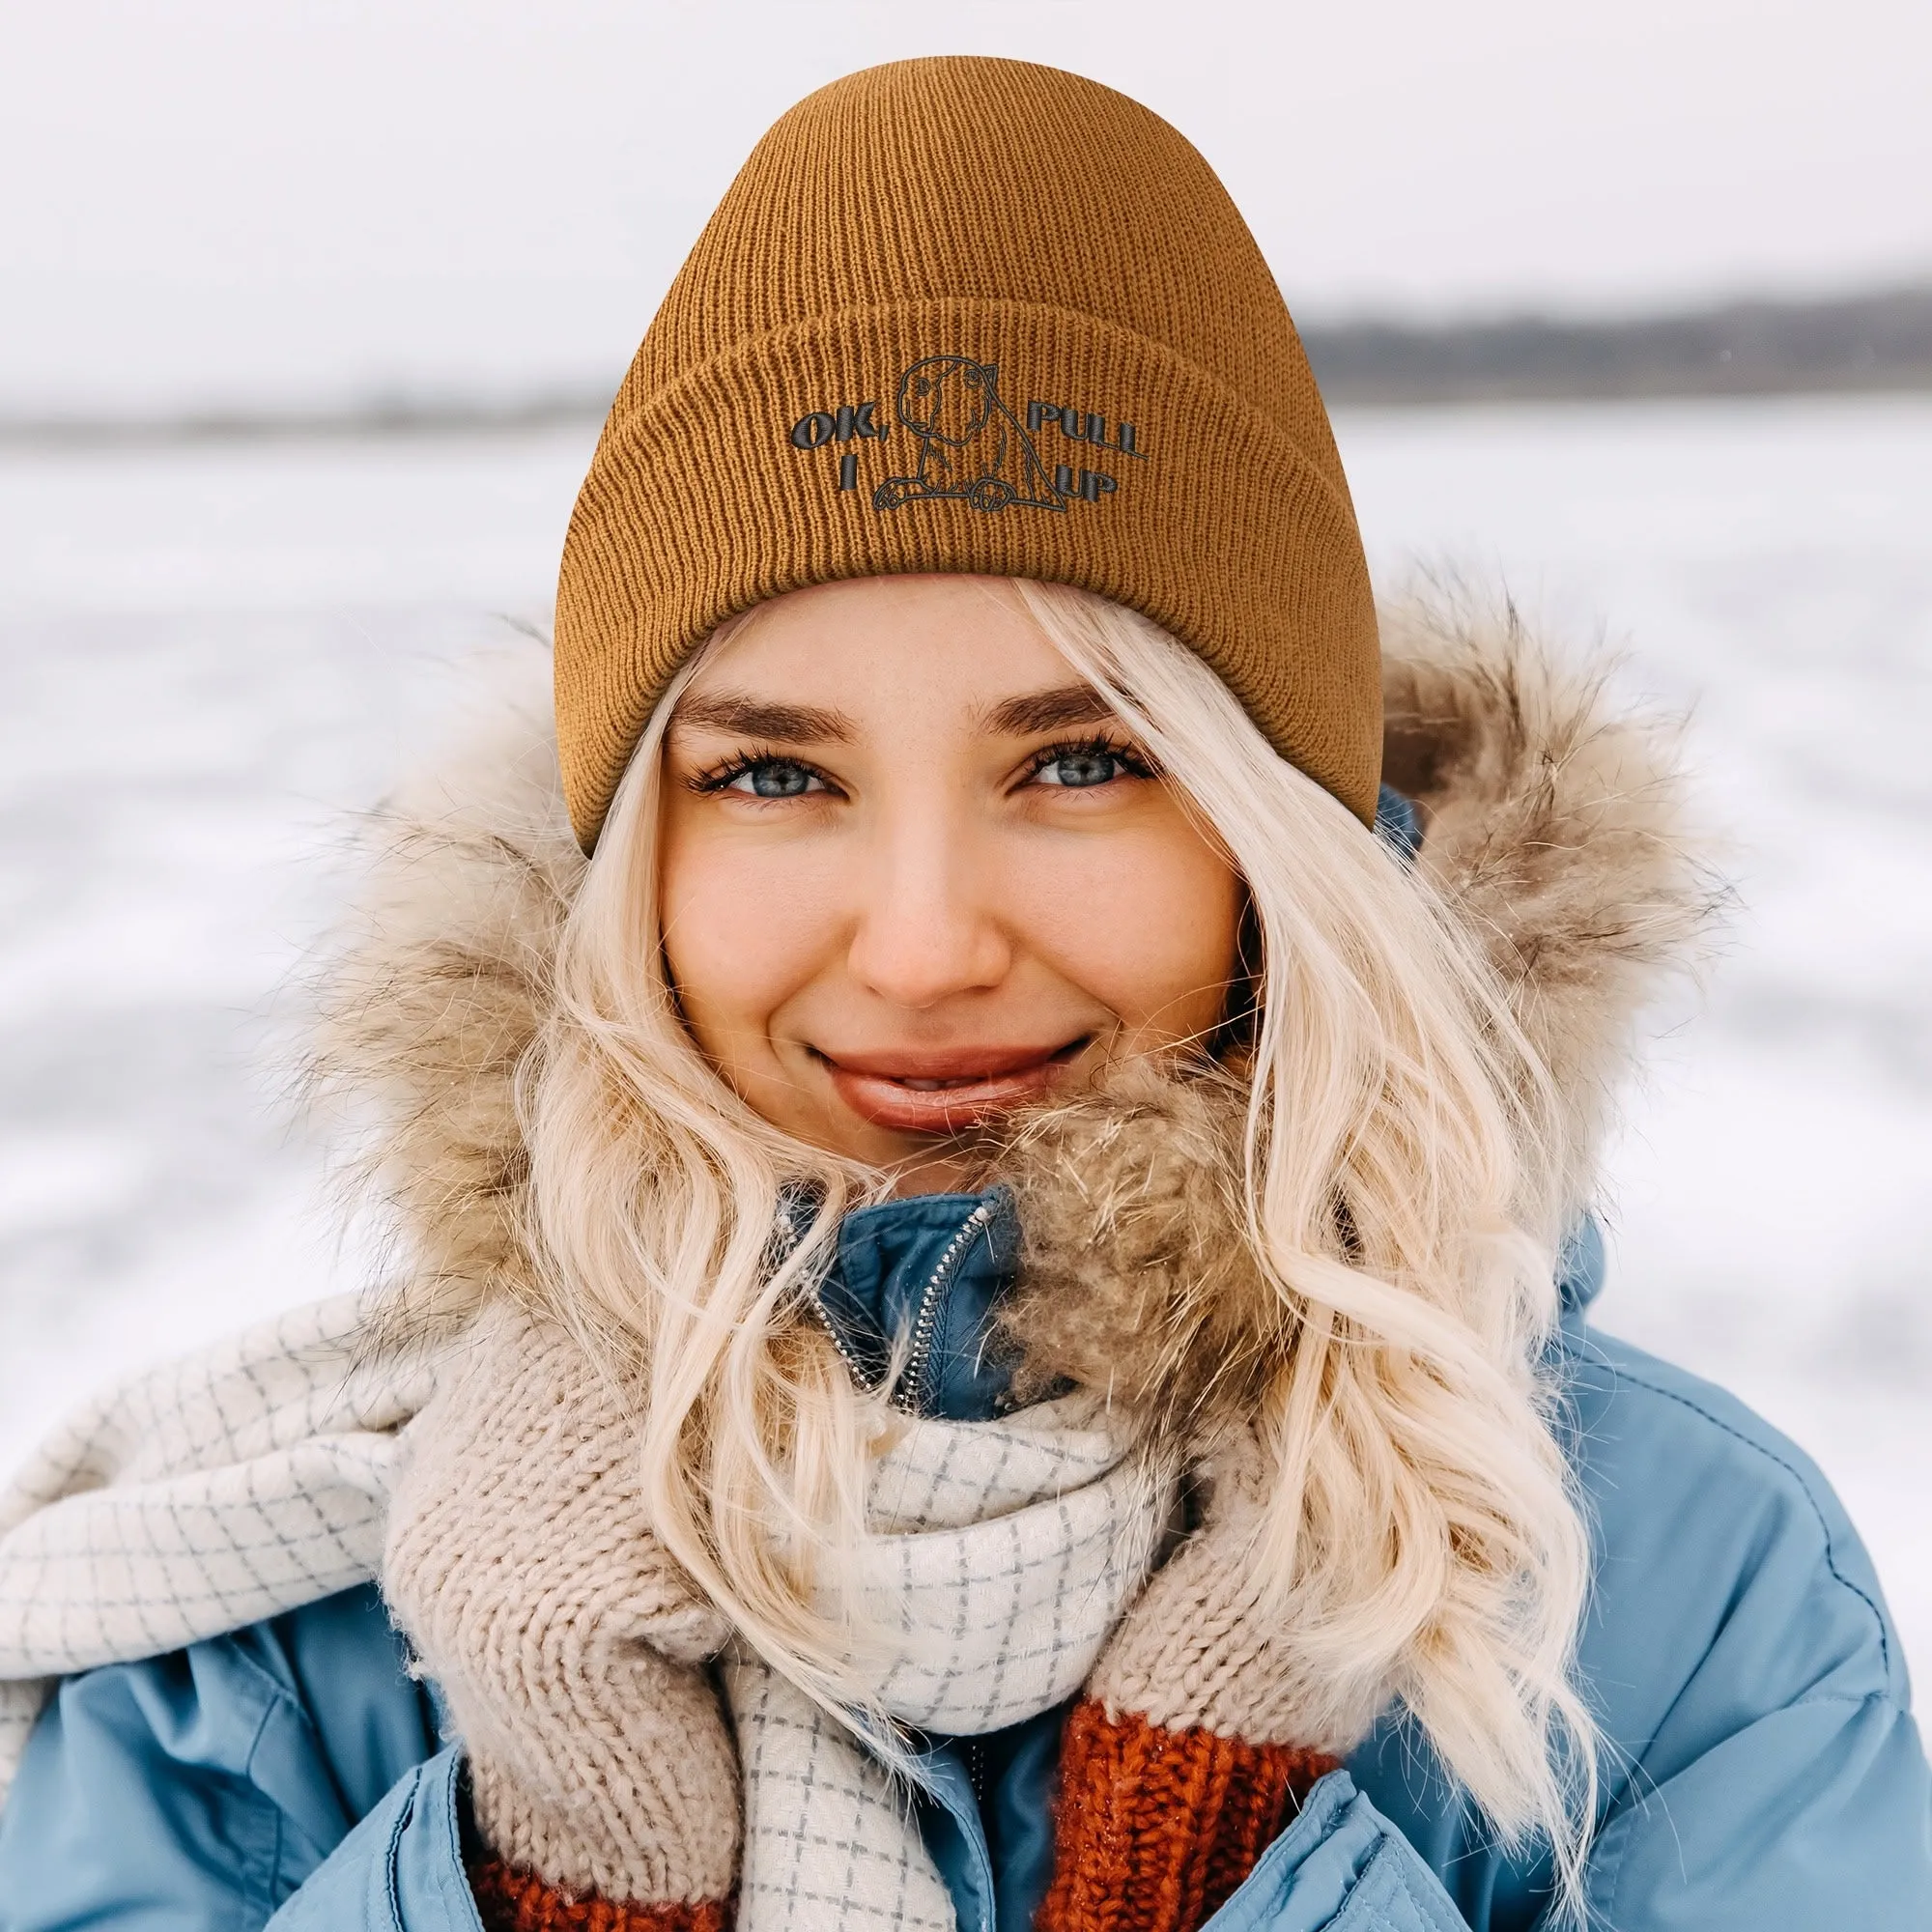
x=974, y=315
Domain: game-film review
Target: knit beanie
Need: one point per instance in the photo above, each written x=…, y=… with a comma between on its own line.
x=974, y=315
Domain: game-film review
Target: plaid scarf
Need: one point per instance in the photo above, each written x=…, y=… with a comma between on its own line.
x=193, y=1500
x=1006, y=1552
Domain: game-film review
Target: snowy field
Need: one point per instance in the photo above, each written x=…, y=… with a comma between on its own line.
x=212, y=655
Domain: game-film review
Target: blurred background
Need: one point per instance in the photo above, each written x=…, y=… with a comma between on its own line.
x=307, y=316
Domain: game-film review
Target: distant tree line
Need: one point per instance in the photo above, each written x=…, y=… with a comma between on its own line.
x=1866, y=342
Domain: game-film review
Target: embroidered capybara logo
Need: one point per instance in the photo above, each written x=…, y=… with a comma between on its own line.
x=970, y=445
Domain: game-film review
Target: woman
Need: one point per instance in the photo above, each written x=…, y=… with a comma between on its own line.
x=991, y=1328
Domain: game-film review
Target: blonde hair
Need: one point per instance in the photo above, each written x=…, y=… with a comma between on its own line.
x=1403, y=1190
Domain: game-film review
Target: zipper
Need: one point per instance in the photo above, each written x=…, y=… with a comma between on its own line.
x=925, y=1325
x=860, y=1378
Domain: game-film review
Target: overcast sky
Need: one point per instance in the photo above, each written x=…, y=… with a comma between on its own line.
x=242, y=201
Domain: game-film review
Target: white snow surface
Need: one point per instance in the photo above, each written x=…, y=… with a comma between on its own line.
x=213, y=654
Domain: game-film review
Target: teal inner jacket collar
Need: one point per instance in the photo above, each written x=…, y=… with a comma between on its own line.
x=913, y=1288
x=910, y=1296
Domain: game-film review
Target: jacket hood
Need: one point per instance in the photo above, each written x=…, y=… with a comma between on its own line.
x=1554, y=819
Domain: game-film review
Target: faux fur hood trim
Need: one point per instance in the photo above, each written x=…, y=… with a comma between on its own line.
x=1555, y=824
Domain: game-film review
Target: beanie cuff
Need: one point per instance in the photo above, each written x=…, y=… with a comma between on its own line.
x=985, y=436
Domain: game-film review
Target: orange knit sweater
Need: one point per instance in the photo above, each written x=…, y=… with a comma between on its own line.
x=519, y=1901
x=1155, y=1828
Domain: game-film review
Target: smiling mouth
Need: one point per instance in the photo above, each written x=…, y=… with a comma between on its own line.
x=945, y=1092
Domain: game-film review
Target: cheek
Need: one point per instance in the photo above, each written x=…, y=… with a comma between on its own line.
x=1148, y=924
x=744, y=930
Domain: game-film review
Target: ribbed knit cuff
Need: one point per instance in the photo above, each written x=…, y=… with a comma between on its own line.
x=1157, y=1829
x=508, y=1901
x=1227, y=527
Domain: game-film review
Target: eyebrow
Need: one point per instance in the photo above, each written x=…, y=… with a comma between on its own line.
x=1056, y=710
x=737, y=711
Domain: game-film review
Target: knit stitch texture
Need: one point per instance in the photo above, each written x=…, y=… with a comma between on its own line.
x=567, y=1643
x=1194, y=1651
x=1155, y=1828
x=508, y=1901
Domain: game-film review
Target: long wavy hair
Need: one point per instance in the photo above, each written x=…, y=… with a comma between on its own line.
x=1402, y=1191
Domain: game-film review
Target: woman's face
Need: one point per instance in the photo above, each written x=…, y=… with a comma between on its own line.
x=914, y=872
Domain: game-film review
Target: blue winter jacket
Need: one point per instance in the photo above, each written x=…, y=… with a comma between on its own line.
x=1763, y=1770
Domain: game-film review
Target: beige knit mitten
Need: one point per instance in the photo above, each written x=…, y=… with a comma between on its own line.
x=1197, y=1650
x=568, y=1644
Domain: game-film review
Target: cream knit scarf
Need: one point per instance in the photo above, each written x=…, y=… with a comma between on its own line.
x=253, y=1478
x=1007, y=1551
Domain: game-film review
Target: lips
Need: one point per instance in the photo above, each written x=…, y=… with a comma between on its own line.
x=947, y=1090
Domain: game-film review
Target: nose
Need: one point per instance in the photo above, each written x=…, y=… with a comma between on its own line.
x=927, y=930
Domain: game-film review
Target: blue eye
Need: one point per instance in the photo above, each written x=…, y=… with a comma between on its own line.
x=775, y=777
x=1078, y=770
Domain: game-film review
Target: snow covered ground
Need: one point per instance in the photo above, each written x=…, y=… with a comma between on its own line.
x=210, y=654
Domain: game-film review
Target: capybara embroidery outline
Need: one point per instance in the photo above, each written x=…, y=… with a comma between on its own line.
x=972, y=455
